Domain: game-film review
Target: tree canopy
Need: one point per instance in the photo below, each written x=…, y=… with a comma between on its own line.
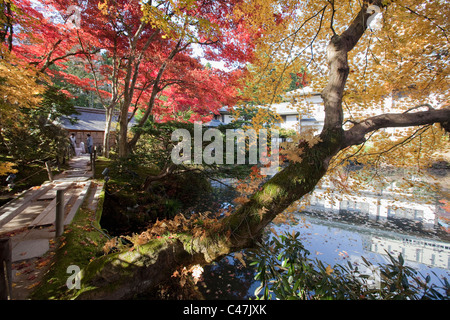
x=391, y=69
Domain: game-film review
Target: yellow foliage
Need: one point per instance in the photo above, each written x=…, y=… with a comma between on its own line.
x=174, y=21
x=401, y=61
x=405, y=56
x=18, y=88
x=7, y=167
x=291, y=149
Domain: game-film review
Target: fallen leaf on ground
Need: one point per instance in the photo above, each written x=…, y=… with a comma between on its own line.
x=32, y=277
x=31, y=286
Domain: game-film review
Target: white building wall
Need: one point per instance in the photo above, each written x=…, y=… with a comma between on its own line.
x=428, y=252
x=291, y=122
x=311, y=106
x=227, y=119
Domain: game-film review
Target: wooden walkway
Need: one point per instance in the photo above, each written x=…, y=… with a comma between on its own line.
x=29, y=220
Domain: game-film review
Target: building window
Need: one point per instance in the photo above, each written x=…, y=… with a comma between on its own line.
x=418, y=215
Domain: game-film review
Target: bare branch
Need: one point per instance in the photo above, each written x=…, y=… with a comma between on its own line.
x=88, y=57
x=333, y=11
x=429, y=19
x=48, y=61
x=429, y=106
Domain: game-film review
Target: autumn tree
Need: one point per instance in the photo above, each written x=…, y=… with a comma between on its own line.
x=18, y=87
x=140, y=55
x=355, y=62
x=354, y=90
x=31, y=104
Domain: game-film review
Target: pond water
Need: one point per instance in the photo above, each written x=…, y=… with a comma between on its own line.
x=345, y=231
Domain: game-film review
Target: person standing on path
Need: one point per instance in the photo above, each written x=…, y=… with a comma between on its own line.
x=89, y=143
x=73, y=142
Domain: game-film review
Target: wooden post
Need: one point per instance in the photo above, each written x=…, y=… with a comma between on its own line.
x=93, y=160
x=49, y=170
x=5, y=269
x=59, y=221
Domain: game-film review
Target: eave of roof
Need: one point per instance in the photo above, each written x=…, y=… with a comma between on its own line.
x=89, y=119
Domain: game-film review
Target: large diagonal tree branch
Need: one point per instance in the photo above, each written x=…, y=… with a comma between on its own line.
x=356, y=134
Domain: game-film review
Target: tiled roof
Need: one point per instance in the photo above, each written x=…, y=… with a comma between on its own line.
x=89, y=119
x=214, y=123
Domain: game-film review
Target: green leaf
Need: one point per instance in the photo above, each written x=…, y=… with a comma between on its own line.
x=367, y=263
x=258, y=290
x=266, y=293
x=400, y=259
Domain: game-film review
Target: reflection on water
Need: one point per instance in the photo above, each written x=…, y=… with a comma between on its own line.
x=422, y=214
x=389, y=223
x=344, y=228
x=228, y=279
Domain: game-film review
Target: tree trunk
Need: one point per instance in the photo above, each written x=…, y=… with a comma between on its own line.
x=123, y=131
x=132, y=143
x=109, y=111
x=155, y=91
x=286, y=187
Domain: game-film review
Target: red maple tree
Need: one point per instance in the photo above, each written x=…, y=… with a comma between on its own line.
x=140, y=55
